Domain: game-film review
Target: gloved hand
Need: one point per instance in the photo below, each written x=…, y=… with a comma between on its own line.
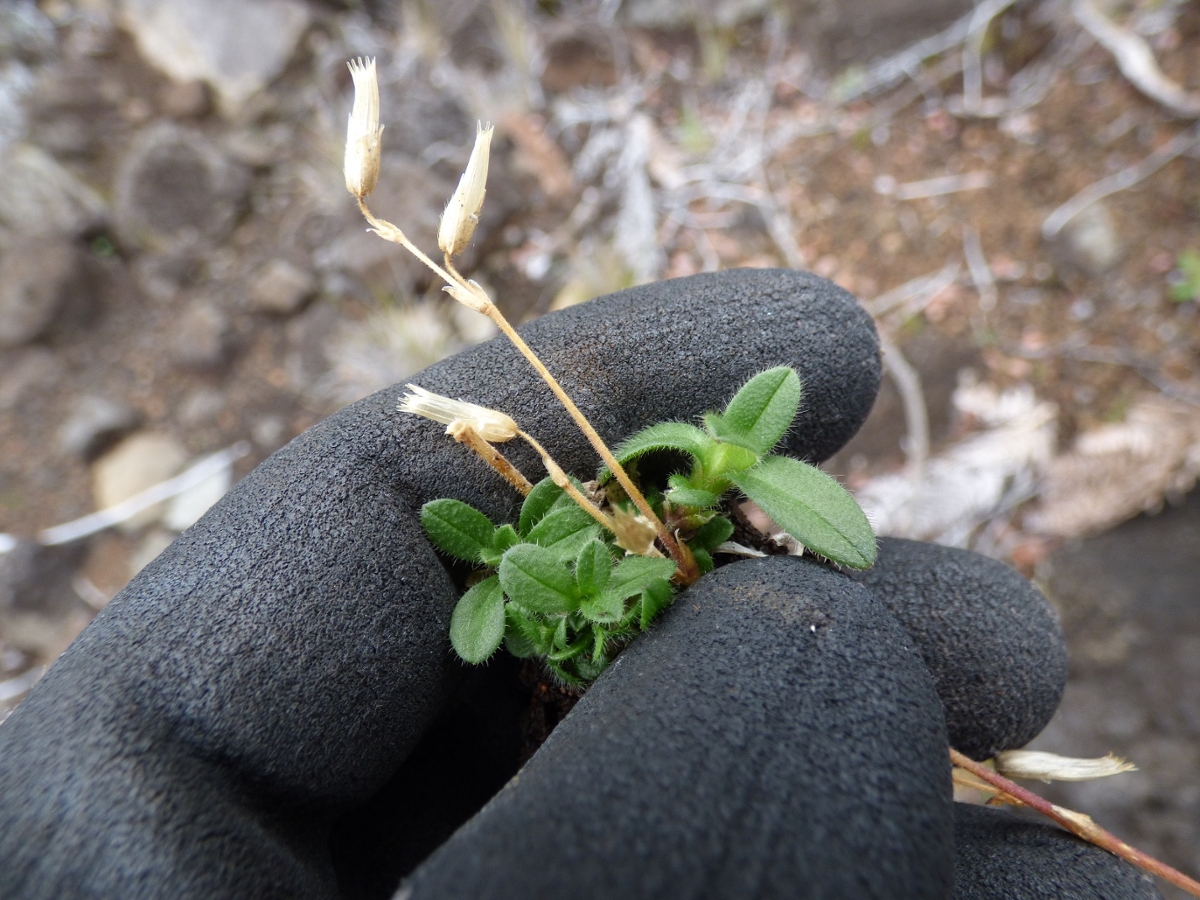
x=270, y=708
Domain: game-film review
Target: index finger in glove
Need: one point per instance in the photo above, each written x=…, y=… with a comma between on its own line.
x=280, y=659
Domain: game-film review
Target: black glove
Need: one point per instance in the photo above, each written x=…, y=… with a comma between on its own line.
x=270, y=708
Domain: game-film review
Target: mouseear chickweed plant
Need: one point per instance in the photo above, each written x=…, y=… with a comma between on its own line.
x=580, y=575
x=587, y=567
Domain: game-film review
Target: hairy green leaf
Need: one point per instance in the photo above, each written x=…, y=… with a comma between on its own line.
x=655, y=598
x=477, y=624
x=761, y=412
x=593, y=568
x=536, y=579
x=683, y=493
x=678, y=436
x=560, y=525
x=525, y=636
x=569, y=652
x=716, y=530
x=604, y=608
x=504, y=537
x=457, y=529
x=538, y=503
x=812, y=508
x=632, y=574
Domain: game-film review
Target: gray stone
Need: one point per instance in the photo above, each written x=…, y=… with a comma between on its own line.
x=27, y=375
x=1089, y=241
x=38, y=196
x=202, y=336
x=44, y=285
x=237, y=46
x=1004, y=856
x=201, y=407
x=36, y=592
x=269, y=432
x=282, y=288
x=991, y=640
x=138, y=462
x=185, y=99
x=749, y=746
x=92, y=423
x=174, y=186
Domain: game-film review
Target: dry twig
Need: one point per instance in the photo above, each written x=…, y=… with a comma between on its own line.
x=1076, y=823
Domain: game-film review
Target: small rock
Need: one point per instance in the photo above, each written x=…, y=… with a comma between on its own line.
x=36, y=596
x=185, y=99
x=175, y=186
x=43, y=282
x=138, y=462
x=281, y=287
x=269, y=432
x=40, y=197
x=93, y=423
x=185, y=509
x=237, y=46
x=1089, y=241
x=203, y=336
x=201, y=407
x=34, y=372
x=161, y=276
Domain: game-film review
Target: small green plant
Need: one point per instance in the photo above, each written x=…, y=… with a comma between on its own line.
x=733, y=450
x=1186, y=285
x=560, y=587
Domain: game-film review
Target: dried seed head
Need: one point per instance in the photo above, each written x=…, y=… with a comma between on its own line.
x=634, y=533
x=363, y=132
x=490, y=424
x=1032, y=764
x=475, y=299
x=462, y=212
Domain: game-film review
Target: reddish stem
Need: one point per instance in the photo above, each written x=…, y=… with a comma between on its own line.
x=1076, y=823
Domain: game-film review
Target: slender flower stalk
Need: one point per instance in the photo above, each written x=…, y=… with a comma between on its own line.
x=554, y=470
x=1077, y=823
x=457, y=227
x=495, y=459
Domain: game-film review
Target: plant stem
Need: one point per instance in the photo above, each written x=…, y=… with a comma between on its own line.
x=687, y=565
x=688, y=571
x=561, y=479
x=1076, y=823
x=495, y=459
x=390, y=232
